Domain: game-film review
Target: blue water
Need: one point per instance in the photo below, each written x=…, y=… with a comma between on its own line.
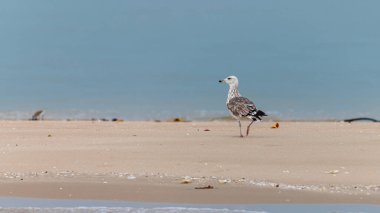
x=157, y=59
x=11, y=204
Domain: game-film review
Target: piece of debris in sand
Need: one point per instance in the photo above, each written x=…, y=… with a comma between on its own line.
x=131, y=177
x=361, y=119
x=276, y=126
x=186, y=180
x=38, y=116
x=179, y=120
x=117, y=120
x=225, y=181
x=333, y=172
x=206, y=130
x=205, y=187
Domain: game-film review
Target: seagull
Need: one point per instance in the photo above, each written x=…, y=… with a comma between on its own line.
x=240, y=107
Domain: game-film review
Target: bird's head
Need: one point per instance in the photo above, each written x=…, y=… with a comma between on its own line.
x=230, y=80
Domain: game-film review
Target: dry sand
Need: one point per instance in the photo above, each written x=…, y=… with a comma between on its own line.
x=301, y=162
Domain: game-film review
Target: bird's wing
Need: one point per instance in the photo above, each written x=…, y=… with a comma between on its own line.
x=241, y=106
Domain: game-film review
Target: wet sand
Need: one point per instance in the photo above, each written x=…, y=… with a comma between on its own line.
x=300, y=162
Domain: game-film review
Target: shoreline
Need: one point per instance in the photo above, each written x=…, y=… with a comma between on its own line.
x=148, y=191
x=301, y=162
x=197, y=120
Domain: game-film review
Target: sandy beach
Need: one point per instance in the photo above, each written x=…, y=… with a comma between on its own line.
x=300, y=162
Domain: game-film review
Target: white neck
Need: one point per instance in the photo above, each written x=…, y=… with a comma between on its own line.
x=233, y=92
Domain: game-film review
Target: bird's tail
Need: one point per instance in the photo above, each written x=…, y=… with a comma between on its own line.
x=256, y=115
x=261, y=113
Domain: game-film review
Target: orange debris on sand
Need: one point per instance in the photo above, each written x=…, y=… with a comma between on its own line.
x=179, y=120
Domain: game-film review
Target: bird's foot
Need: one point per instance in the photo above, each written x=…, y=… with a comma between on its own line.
x=242, y=136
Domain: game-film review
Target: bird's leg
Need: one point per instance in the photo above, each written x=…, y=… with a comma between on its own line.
x=241, y=135
x=249, y=126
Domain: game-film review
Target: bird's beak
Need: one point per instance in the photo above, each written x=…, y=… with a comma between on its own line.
x=221, y=81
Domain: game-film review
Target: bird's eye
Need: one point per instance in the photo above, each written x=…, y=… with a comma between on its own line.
x=229, y=78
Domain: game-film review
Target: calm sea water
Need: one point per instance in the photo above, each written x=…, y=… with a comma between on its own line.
x=11, y=204
x=158, y=59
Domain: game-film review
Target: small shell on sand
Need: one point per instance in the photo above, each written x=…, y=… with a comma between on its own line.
x=333, y=172
x=224, y=181
x=276, y=126
x=187, y=180
x=131, y=177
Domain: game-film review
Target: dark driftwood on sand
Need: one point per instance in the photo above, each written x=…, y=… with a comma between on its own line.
x=205, y=187
x=361, y=119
